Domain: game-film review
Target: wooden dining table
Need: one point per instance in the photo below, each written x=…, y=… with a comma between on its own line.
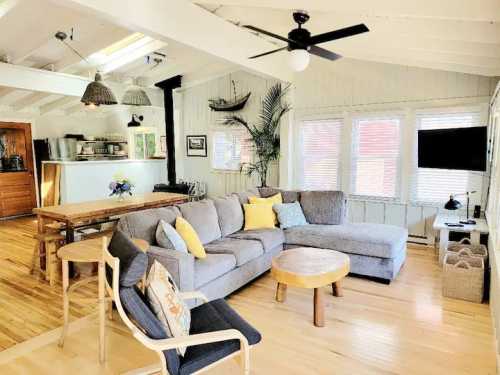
x=78, y=215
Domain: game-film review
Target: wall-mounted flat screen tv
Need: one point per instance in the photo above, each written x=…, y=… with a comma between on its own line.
x=457, y=148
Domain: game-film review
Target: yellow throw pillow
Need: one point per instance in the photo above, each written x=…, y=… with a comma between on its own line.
x=270, y=200
x=188, y=234
x=259, y=216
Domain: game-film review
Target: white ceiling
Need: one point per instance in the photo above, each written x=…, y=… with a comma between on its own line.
x=455, y=35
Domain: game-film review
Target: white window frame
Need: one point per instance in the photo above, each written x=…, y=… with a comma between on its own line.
x=482, y=109
x=298, y=149
x=225, y=129
x=386, y=115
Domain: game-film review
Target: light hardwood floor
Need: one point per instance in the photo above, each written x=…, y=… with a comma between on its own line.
x=403, y=328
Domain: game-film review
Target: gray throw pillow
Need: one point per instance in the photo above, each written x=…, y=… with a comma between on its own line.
x=168, y=238
x=230, y=214
x=289, y=214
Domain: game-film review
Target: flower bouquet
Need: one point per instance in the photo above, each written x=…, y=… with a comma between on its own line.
x=120, y=186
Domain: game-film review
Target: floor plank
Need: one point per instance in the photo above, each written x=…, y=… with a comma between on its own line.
x=403, y=328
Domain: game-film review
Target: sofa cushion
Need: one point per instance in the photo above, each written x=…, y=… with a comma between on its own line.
x=133, y=261
x=243, y=250
x=230, y=214
x=215, y=316
x=376, y=240
x=269, y=238
x=323, y=207
x=243, y=195
x=289, y=215
x=143, y=224
x=211, y=267
x=289, y=196
x=203, y=217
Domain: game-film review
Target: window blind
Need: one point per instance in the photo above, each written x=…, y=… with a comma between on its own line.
x=230, y=149
x=375, y=157
x=435, y=185
x=320, y=141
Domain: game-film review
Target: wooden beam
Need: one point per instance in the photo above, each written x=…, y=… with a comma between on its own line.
x=193, y=26
x=463, y=10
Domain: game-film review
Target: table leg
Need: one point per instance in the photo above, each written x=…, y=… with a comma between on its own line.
x=65, y=285
x=102, y=313
x=444, y=235
x=337, y=290
x=319, y=308
x=41, y=244
x=281, y=292
x=70, y=237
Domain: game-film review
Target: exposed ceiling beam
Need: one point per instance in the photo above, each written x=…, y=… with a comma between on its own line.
x=56, y=104
x=464, y=10
x=193, y=26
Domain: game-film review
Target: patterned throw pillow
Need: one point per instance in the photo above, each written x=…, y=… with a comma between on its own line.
x=165, y=302
x=168, y=238
x=289, y=214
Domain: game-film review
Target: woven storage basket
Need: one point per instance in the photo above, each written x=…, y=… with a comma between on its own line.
x=463, y=277
x=465, y=248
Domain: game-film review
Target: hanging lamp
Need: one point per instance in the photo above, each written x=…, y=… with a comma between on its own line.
x=96, y=92
x=135, y=95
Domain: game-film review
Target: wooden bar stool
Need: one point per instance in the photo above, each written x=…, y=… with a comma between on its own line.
x=87, y=251
x=52, y=242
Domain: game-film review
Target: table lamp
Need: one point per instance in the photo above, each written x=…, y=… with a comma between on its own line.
x=453, y=204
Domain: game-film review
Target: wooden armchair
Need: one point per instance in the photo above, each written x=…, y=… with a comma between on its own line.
x=217, y=332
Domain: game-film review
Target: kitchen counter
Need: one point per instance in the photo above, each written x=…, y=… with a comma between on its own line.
x=82, y=181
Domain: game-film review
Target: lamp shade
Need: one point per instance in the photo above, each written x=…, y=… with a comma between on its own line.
x=452, y=204
x=97, y=93
x=299, y=59
x=136, y=96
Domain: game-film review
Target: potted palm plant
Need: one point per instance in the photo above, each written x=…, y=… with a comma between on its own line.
x=264, y=134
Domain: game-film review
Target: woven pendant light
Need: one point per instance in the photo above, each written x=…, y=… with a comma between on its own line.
x=136, y=96
x=97, y=93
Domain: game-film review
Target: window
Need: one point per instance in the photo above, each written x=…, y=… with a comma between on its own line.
x=319, y=157
x=375, y=157
x=231, y=148
x=436, y=185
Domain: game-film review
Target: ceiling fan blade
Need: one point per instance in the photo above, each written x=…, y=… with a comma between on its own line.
x=268, y=53
x=339, y=34
x=321, y=52
x=268, y=33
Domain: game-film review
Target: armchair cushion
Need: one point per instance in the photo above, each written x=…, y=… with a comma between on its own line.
x=133, y=262
x=209, y=317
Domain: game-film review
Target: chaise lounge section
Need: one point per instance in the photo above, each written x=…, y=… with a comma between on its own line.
x=235, y=256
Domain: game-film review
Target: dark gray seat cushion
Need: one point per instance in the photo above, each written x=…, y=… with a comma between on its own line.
x=211, y=267
x=269, y=238
x=323, y=207
x=288, y=196
x=143, y=224
x=243, y=250
x=376, y=240
x=203, y=218
x=209, y=317
x=230, y=214
x=133, y=262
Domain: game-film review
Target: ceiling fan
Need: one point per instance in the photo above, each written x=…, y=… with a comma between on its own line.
x=301, y=43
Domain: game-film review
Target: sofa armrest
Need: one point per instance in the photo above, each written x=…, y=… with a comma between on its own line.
x=180, y=265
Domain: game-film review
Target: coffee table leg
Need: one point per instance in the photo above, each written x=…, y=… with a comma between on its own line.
x=281, y=292
x=337, y=289
x=319, y=308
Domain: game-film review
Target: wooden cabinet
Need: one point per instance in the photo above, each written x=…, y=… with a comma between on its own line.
x=17, y=188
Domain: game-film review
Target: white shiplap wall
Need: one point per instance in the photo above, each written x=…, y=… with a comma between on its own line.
x=350, y=88
x=196, y=118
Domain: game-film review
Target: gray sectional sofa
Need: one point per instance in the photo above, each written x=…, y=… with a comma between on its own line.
x=235, y=257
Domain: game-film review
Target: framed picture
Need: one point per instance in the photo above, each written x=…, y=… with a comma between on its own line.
x=196, y=145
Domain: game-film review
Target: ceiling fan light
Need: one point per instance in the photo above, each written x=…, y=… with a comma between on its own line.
x=135, y=95
x=299, y=59
x=98, y=93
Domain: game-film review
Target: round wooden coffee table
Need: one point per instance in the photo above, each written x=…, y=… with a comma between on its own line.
x=307, y=267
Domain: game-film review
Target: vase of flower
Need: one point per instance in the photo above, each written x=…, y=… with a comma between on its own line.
x=120, y=187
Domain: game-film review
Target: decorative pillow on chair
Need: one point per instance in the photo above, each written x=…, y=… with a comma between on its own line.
x=275, y=199
x=165, y=302
x=190, y=237
x=168, y=238
x=289, y=214
x=259, y=216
